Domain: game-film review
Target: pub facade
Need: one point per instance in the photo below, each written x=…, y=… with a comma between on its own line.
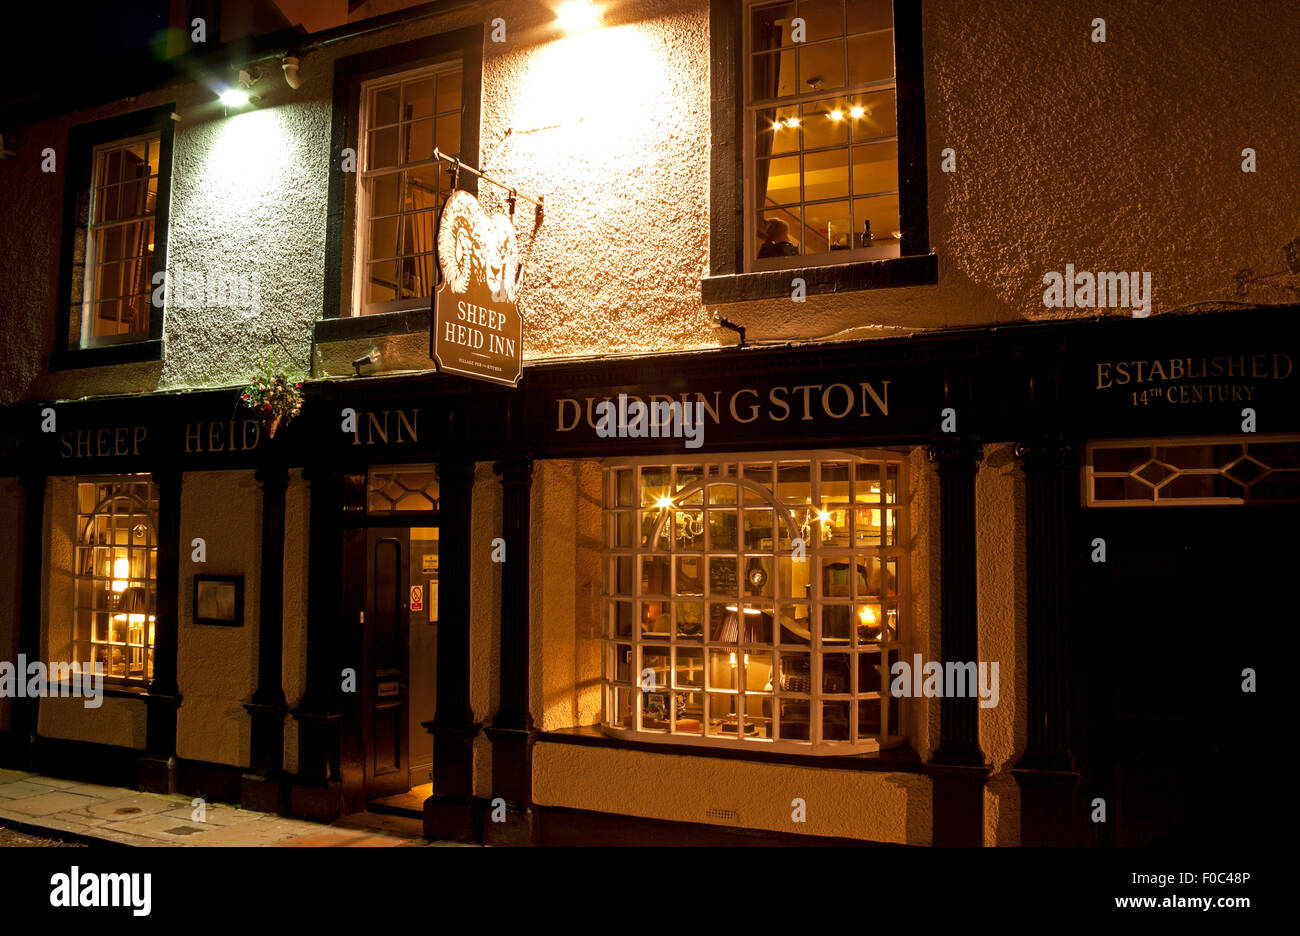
x=861, y=483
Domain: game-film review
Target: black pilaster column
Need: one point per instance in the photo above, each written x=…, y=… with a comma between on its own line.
x=24, y=712
x=316, y=790
x=512, y=732
x=263, y=783
x=1046, y=773
x=957, y=768
x=157, y=770
x=449, y=813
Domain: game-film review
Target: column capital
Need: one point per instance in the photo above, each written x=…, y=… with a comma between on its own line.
x=456, y=471
x=1044, y=452
x=515, y=469
x=955, y=453
x=274, y=475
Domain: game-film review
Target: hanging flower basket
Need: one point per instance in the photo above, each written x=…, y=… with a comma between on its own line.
x=274, y=398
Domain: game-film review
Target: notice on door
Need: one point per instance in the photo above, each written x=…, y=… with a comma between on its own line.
x=417, y=597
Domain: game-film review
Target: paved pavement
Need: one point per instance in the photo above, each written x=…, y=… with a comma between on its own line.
x=37, y=804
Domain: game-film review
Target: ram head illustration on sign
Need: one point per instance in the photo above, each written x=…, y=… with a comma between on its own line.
x=477, y=329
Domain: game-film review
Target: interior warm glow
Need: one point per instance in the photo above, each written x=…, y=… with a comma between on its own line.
x=867, y=616
x=824, y=516
x=664, y=502
x=856, y=112
x=837, y=114
x=578, y=15
x=121, y=572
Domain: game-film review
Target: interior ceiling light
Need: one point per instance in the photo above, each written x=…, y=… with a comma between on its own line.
x=856, y=112
x=578, y=16
x=837, y=114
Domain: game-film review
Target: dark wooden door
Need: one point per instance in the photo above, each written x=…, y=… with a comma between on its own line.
x=385, y=699
x=1187, y=599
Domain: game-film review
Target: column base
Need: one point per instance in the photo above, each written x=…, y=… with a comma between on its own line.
x=262, y=791
x=310, y=801
x=1048, y=807
x=450, y=819
x=519, y=828
x=958, y=805
x=156, y=774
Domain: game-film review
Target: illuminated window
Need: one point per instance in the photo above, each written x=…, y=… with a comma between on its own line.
x=116, y=576
x=401, y=186
x=821, y=132
x=119, y=242
x=719, y=632
x=1192, y=471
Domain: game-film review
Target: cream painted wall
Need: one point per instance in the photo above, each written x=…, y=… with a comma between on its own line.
x=1119, y=155
x=566, y=586
x=881, y=807
x=217, y=666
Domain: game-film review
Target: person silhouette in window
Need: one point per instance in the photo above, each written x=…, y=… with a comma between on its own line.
x=776, y=240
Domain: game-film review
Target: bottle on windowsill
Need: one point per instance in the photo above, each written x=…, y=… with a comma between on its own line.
x=867, y=236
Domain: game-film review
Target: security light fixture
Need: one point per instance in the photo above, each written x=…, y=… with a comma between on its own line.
x=241, y=95
x=235, y=97
x=578, y=16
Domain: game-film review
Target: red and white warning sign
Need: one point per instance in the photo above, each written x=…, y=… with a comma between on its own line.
x=417, y=597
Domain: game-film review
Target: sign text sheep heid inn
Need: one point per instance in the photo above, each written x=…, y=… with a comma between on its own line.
x=477, y=330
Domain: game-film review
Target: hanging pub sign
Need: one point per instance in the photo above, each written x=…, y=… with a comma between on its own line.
x=477, y=330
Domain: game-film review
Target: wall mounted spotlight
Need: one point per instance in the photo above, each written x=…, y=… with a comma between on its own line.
x=241, y=95
x=578, y=16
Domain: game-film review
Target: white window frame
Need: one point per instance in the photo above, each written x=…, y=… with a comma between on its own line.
x=891, y=246
x=1089, y=475
x=138, y=651
x=360, y=260
x=898, y=602
x=93, y=227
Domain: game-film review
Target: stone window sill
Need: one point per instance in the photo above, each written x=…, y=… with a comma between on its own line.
x=889, y=273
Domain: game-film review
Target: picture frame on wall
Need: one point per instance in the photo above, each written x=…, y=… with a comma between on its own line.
x=219, y=600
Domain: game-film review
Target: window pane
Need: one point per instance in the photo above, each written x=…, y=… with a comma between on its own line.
x=383, y=106
x=881, y=213
x=418, y=98
x=825, y=123
x=383, y=238
x=382, y=151
x=875, y=168
x=417, y=276
x=826, y=175
x=449, y=134
x=419, y=141
x=878, y=117
x=870, y=15
x=871, y=58
x=778, y=131
x=417, y=233
x=772, y=75
x=823, y=221
x=384, y=194
x=778, y=180
x=824, y=18
x=382, y=281
x=771, y=26
x=449, y=91
x=821, y=66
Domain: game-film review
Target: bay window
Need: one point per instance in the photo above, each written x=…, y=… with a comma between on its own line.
x=755, y=601
x=116, y=576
